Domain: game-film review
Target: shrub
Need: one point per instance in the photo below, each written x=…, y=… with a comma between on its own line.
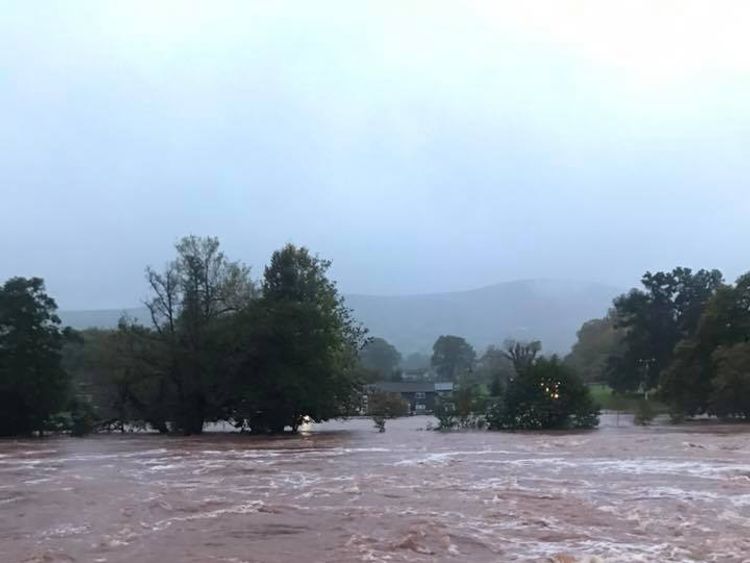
x=381, y=406
x=546, y=395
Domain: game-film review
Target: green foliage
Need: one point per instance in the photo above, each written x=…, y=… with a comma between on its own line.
x=452, y=356
x=464, y=408
x=296, y=348
x=692, y=384
x=382, y=406
x=547, y=395
x=380, y=357
x=598, y=340
x=33, y=384
x=494, y=370
x=191, y=302
x=730, y=397
x=445, y=411
x=654, y=320
x=644, y=412
x=218, y=349
x=83, y=418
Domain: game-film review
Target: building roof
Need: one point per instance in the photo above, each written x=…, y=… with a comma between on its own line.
x=411, y=386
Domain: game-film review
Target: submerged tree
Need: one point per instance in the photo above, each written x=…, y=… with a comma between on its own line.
x=33, y=384
x=296, y=348
x=382, y=406
x=191, y=301
x=546, y=395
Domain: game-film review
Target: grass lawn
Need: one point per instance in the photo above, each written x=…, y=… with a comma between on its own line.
x=629, y=402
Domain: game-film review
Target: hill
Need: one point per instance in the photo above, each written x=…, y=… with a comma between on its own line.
x=548, y=310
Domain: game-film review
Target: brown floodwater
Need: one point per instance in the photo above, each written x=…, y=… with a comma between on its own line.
x=343, y=492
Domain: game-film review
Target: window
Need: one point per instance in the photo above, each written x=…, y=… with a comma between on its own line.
x=419, y=395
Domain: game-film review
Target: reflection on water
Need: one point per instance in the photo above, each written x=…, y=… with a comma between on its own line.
x=343, y=492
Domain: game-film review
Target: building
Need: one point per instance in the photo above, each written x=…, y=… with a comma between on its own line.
x=420, y=395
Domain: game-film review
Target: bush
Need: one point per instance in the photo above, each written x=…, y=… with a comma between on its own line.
x=547, y=395
x=644, y=413
x=381, y=406
x=445, y=412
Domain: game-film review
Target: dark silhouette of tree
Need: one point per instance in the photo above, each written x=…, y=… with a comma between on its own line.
x=33, y=384
x=522, y=354
x=297, y=348
x=452, y=356
x=379, y=356
x=654, y=320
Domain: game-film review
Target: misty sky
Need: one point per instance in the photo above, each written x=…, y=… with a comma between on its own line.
x=422, y=146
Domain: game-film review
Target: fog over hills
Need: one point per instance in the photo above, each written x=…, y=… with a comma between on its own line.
x=548, y=310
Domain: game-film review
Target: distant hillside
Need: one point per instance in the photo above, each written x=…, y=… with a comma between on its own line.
x=102, y=318
x=548, y=310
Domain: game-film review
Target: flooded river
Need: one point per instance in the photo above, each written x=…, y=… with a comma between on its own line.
x=342, y=492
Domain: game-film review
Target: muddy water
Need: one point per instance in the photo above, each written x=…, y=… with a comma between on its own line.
x=345, y=493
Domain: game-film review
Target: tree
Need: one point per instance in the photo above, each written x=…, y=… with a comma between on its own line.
x=546, y=395
x=382, y=406
x=297, y=348
x=452, y=356
x=522, y=354
x=380, y=357
x=416, y=361
x=191, y=299
x=33, y=384
x=494, y=370
x=598, y=340
x=690, y=381
x=730, y=397
x=654, y=321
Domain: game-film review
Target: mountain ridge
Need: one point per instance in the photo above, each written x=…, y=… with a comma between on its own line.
x=546, y=309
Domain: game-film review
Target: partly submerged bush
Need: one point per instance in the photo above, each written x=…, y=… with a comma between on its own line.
x=644, y=413
x=546, y=395
x=381, y=406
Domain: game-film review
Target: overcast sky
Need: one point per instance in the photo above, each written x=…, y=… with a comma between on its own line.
x=421, y=146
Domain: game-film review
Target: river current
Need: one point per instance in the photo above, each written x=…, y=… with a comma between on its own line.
x=343, y=492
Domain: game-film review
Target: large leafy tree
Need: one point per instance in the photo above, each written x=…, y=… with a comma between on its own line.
x=297, y=347
x=654, y=319
x=704, y=360
x=33, y=384
x=452, y=357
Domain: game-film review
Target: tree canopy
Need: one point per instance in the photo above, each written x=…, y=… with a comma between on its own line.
x=452, y=356
x=380, y=357
x=33, y=384
x=547, y=394
x=654, y=320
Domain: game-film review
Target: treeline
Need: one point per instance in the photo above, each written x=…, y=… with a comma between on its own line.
x=217, y=346
x=683, y=338
x=264, y=356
